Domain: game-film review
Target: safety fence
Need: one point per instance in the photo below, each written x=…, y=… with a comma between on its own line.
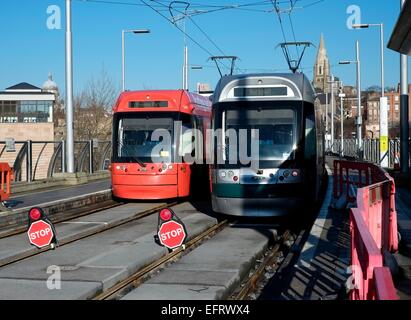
x=6, y=175
x=373, y=225
x=34, y=160
x=370, y=150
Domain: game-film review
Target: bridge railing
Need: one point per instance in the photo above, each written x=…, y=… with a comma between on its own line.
x=34, y=160
x=373, y=226
x=371, y=150
x=6, y=175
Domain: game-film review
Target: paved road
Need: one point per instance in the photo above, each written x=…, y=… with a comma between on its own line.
x=36, y=198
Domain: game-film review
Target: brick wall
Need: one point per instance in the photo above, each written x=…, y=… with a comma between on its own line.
x=34, y=132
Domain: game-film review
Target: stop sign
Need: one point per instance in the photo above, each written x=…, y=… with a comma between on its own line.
x=171, y=234
x=40, y=233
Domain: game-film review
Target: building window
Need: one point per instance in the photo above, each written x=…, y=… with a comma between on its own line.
x=320, y=72
x=25, y=111
x=397, y=107
x=396, y=98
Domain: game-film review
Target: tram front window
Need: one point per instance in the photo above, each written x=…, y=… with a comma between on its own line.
x=276, y=131
x=136, y=141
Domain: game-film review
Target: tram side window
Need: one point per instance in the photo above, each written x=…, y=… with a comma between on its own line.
x=310, y=137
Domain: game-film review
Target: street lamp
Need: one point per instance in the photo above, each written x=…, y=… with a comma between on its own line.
x=342, y=96
x=69, y=92
x=332, y=111
x=383, y=100
x=123, y=58
x=359, y=115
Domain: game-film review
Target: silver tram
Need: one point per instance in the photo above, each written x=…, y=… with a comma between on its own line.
x=279, y=114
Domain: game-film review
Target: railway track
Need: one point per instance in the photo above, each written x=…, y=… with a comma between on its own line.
x=87, y=211
x=88, y=233
x=137, y=278
x=268, y=263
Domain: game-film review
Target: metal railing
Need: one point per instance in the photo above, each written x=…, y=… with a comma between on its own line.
x=370, y=151
x=31, y=157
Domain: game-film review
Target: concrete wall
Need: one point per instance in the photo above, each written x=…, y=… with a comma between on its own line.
x=34, y=132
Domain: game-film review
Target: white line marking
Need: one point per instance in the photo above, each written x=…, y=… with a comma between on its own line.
x=85, y=222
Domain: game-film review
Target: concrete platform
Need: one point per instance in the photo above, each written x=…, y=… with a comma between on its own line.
x=319, y=271
x=17, y=246
x=403, y=206
x=403, y=257
x=96, y=262
x=35, y=198
x=59, y=204
x=212, y=271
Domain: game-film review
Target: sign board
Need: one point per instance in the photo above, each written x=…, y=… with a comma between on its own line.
x=172, y=234
x=40, y=233
x=10, y=145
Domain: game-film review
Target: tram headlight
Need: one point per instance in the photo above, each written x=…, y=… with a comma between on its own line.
x=222, y=174
x=230, y=174
x=294, y=173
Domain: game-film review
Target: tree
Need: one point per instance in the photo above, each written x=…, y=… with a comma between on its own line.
x=93, y=116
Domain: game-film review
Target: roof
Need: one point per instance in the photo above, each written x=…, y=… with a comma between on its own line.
x=176, y=98
x=23, y=86
x=400, y=40
x=297, y=80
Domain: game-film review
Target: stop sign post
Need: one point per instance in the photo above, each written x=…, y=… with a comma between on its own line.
x=40, y=233
x=171, y=231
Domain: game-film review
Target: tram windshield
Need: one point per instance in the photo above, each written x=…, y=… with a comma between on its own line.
x=144, y=137
x=276, y=131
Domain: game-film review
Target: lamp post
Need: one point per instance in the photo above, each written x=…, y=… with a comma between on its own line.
x=123, y=58
x=359, y=115
x=383, y=101
x=342, y=95
x=69, y=92
x=332, y=111
x=404, y=110
x=194, y=67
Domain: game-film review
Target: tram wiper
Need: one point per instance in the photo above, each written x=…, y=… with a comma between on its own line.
x=136, y=159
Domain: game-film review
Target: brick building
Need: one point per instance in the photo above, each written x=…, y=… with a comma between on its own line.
x=26, y=113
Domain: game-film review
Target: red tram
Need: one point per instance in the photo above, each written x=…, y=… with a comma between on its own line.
x=153, y=131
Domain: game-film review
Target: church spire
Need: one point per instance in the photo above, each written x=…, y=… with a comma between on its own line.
x=322, y=67
x=322, y=45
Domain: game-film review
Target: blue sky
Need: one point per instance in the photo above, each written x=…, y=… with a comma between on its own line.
x=30, y=50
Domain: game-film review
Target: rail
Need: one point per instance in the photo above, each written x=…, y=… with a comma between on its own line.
x=370, y=150
x=373, y=225
x=6, y=175
x=34, y=160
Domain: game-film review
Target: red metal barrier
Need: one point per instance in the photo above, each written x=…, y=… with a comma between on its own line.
x=365, y=256
x=384, y=288
x=373, y=225
x=6, y=175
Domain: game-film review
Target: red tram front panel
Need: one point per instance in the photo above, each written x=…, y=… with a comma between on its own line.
x=136, y=173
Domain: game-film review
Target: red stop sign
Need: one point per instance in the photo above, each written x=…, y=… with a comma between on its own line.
x=171, y=234
x=40, y=233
